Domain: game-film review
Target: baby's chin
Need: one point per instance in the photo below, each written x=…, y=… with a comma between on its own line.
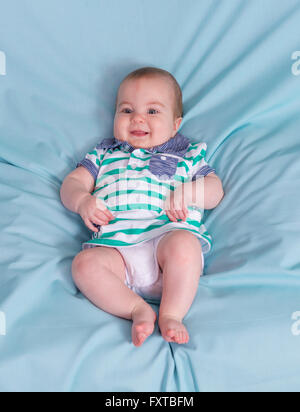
x=145, y=142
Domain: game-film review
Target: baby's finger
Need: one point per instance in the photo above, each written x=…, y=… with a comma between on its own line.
x=176, y=213
x=89, y=224
x=171, y=216
x=169, y=203
x=99, y=216
x=109, y=214
x=104, y=215
x=100, y=221
x=180, y=213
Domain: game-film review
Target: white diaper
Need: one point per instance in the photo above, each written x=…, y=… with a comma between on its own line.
x=143, y=274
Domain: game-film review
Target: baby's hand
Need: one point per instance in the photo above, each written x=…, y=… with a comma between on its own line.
x=93, y=211
x=176, y=205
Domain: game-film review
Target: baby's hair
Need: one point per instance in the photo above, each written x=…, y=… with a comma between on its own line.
x=154, y=71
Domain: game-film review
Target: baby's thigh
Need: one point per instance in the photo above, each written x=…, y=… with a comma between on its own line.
x=179, y=245
x=97, y=257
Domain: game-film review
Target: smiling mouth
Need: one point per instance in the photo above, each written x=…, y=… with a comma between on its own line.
x=139, y=133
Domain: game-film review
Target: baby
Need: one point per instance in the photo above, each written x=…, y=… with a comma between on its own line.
x=143, y=194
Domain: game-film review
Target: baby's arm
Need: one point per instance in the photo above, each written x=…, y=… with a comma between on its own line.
x=206, y=192
x=76, y=196
x=77, y=185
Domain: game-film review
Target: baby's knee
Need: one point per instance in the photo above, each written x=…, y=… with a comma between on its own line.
x=184, y=247
x=81, y=264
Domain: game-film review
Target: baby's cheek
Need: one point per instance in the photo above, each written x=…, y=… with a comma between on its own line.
x=119, y=125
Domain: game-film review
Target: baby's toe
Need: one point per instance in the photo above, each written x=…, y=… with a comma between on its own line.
x=138, y=338
x=182, y=337
x=179, y=337
x=141, y=337
x=140, y=332
x=171, y=335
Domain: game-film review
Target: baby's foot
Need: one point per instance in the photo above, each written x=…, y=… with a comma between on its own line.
x=144, y=318
x=172, y=329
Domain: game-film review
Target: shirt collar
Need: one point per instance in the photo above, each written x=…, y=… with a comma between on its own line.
x=177, y=145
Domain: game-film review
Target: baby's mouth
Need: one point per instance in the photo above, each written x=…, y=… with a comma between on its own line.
x=139, y=133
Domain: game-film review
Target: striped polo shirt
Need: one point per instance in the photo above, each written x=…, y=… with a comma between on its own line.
x=133, y=183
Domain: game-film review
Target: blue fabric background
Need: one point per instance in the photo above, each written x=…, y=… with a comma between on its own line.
x=61, y=62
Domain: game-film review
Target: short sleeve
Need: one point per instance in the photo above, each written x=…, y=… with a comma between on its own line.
x=92, y=160
x=200, y=167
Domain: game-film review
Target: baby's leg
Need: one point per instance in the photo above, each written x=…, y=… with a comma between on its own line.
x=99, y=274
x=179, y=255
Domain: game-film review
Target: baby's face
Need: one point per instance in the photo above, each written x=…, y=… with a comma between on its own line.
x=145, y=112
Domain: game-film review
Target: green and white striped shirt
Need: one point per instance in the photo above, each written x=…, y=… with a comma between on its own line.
x=134, y=183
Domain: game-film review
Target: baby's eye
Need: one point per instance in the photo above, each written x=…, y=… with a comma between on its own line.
x=126, y=111
x=152, y=111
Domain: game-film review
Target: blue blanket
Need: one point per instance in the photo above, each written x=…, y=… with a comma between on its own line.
x=238, y=63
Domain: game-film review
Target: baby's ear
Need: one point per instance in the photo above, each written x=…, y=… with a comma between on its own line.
x=177, y=123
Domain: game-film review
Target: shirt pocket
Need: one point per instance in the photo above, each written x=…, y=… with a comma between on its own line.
x=163, y=166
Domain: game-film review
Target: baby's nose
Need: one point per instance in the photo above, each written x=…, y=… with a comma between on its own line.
x=138, y=117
